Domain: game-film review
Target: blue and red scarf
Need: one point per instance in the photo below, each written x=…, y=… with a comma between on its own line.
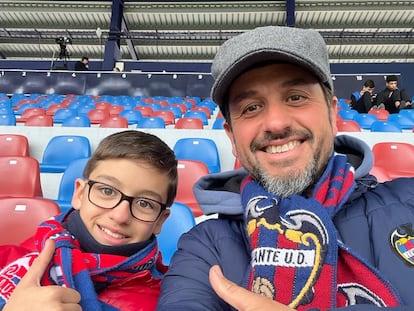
x=297, y=258
x=71, y=267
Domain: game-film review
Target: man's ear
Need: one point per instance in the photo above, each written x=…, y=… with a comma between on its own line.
x=333, y=111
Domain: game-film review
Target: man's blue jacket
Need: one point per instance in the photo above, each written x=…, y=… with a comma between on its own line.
x=368, y=224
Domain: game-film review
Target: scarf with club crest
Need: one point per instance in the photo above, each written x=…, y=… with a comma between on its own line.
x=296, y=257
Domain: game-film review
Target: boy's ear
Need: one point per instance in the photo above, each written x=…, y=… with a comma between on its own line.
x=78, y=193
x=163, y=217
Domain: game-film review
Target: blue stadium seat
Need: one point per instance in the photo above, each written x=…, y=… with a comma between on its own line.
x=133, y=116
x=385, y=126
x=365, y=120
x=404, y=121
x=67, y=183
x=151, y=122
x=199, y=149
x=7, y=119
x=62, y=114
x=181, y=220
x=61, y=150
x=218, y=124
x=77, y=121
x=197, y=114
x=348, y=114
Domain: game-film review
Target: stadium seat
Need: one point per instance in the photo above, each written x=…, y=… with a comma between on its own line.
x=96, y=116
x=20, y=217
x=348, y=126
x=365, y=120
x=39, y=120
x=189, y=172
x=115, y=110
x=146, y=111
x=62, y=114
x=197, y=114
x=7, y=119
x=35, y=111
x=348, y=114
x=61, y=150
x=395, y=158
x=385, y=126
x=181, y=220
x=132, y=116
x=67, y=183
x=20, y=177
x=189, y=123
x=151, y=122
x=77, y=121
x=167, y=115
x=114, y=122
x=14, y=145
x=218, y=124
x=381, y=114
x=199, y=149
x=404, y=121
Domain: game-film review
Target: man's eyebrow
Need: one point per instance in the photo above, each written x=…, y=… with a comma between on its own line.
x=297, y=82
x=242, y=95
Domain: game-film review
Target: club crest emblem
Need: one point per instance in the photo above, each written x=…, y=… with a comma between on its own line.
x=402, y=241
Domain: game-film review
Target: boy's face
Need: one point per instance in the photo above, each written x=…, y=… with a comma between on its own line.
x=117, y=226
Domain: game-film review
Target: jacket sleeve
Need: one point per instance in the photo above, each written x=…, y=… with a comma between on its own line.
x=186, y=285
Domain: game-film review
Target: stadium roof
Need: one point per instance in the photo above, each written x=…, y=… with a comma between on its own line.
x=355, y=31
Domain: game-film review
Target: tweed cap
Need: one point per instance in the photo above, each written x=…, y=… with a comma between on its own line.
x=303, y=47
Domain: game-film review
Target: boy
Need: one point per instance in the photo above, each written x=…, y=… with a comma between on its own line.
x=106, y=247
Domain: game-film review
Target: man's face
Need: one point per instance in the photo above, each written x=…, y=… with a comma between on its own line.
x=392, y=85
x=282, y=129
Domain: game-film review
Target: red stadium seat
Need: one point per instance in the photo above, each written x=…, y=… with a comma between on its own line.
x=14, y=145
x=189, y=123
x=188, y=173
x=395, y=158
x=114, y=122
x=39, y=120
x=20, y=177
x=20, y=217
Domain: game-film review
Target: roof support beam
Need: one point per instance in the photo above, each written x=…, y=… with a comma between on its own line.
x=113, y=43
x=290, y=13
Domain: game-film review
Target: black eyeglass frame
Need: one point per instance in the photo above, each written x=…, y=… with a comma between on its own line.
x=124, y=197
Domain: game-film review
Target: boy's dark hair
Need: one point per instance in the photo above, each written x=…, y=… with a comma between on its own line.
x=369, y=83
x=391, y=78
x=136, y=145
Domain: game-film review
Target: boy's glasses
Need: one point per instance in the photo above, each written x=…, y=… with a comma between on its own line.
x=106, y=196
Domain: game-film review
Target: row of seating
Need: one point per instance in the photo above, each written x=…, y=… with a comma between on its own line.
x=376, y=120
x=84, y=111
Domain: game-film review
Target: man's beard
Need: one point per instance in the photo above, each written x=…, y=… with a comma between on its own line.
x=296, y=182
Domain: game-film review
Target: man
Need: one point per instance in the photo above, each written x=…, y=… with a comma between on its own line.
x=391, y=97
x=362, y=101
x=300, y=228
x=82, y=65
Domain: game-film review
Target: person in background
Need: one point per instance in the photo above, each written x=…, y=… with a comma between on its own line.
x=393, y=98
x=105, y=254
x=303, y=226
x=82, y=65
x=364, y=100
